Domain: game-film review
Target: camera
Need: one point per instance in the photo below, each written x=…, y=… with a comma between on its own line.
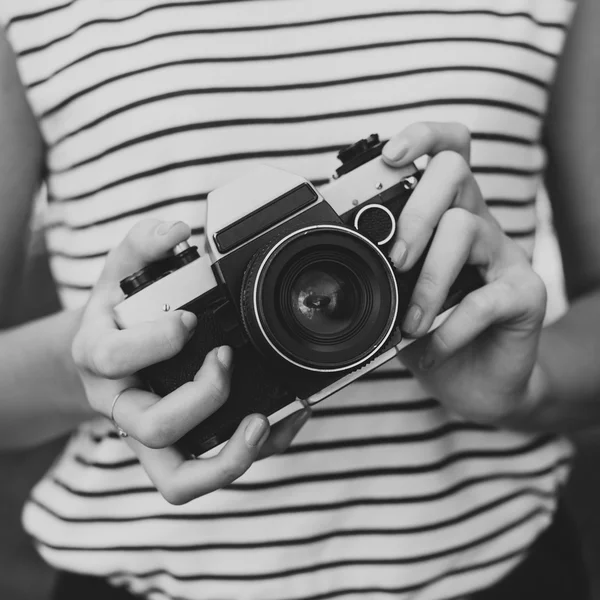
x=298, y=281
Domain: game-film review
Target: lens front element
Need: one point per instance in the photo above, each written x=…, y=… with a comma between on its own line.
x=324, y=298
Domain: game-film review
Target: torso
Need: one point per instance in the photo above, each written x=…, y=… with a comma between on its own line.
x=146, y=107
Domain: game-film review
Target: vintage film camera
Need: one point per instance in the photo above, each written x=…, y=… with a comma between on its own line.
x=297, y=281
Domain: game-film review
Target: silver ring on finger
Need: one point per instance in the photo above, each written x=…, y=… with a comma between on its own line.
x=122, y=433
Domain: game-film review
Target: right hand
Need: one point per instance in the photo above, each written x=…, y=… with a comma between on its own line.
x=107, y=360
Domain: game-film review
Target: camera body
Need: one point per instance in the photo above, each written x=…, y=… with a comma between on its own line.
x=296, y=280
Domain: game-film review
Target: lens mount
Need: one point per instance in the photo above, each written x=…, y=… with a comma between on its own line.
x=324, y=298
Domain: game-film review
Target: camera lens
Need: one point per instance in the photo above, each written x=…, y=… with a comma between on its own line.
x=323, y=298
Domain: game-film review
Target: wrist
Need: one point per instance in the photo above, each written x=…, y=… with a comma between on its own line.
x=76, y=405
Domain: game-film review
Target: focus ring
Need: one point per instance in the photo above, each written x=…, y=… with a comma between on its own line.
x=246, y=295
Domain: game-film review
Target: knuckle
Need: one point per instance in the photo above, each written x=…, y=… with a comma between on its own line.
x=173, y=337
x=460, y=220
x=480, y=305
x=104, y=361
x=440, y=344
x=175, y=494
x=456, y=164
x=463, y=134
x=142, y=228
x=137, y=237
x=428, y=284
x=153, y=433
x=424, y=131
x=532, y=291
x=414, y=220
x=217, y=387
x=233, y=469
x=78, y=352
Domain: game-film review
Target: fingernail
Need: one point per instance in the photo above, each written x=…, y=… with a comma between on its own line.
x=255, y=431
x=164, y=228
x=189, y=320
x=399, y=253
x=225, y=356
x=427, y=361
x=412, y=319
x=395, y=150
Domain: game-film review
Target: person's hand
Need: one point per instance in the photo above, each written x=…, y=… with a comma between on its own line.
x=107, y=360
x=479, y=362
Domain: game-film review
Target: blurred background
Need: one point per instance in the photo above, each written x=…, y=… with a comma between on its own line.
x=23, y=576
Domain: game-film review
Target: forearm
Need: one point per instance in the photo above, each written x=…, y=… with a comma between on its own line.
x=41, y=395
x=564, y=394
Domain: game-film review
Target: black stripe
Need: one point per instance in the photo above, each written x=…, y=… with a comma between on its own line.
x=481, y=102
x=209, y=159
x=294, y=25
x=491, y=202
x=397, y=590
x=337, y=476
x=318, y=567
x=39, y=13
x=514, y=171
x=380, y=590
x=121, y=464
x=342, y=411
x=200, y=91
x=129, y=213
x=515, y=234
x=521, y=234
x=321, y=537
x=75, y=286
x=338, y=444
x=502, y=137
x=383, y=440
x=448, y=460
x=510, y=203
x=322, y=507
x=216, y=124
x=112, y=435
x=301, y=54
x=98, y=254
x=367, y=409
x=316, y=84
x=246, y=155
x=139, y=211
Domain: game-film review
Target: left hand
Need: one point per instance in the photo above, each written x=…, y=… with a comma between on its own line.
x=479, y=362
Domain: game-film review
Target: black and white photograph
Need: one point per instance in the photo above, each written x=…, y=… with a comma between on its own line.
x=299, y=300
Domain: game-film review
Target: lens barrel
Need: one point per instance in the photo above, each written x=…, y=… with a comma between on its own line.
x=323, y=298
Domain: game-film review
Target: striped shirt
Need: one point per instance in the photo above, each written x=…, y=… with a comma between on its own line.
x=148, y=105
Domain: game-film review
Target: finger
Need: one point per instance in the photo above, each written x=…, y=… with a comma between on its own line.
x=180, y=481
x=283, y=433
x=446, y=182
x=460, y=238
x=159, y=422
x=520, y=298
x=429, y=138
x=148, y=241
x=114, y=353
